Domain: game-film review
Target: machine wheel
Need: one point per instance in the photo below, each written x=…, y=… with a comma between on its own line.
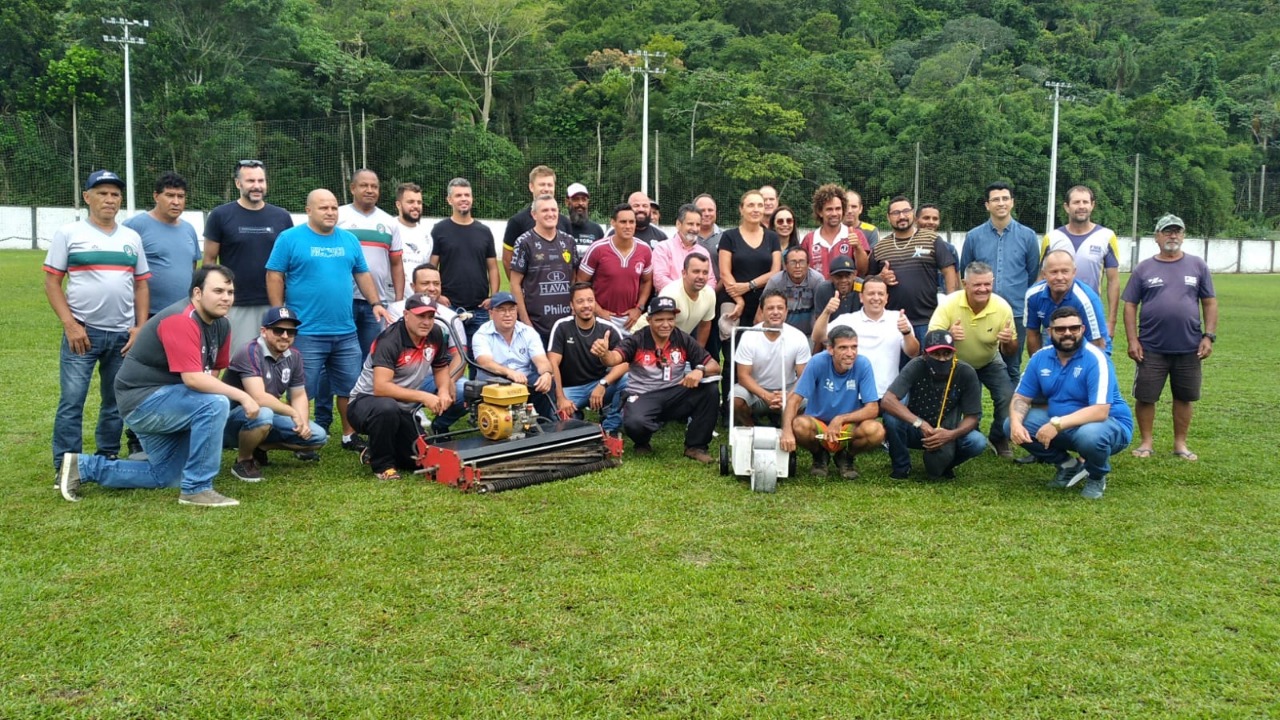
x=724, y=459
x=764, y=476
x=791, y=465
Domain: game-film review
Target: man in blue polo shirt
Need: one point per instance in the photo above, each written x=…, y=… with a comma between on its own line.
x=310, y=270
x=1058, y=289
x=1013, y=252
x=1085, y=412
x=838, y=393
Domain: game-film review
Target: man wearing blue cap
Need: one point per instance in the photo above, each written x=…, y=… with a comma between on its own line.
x=267, y=368
x=105, y=303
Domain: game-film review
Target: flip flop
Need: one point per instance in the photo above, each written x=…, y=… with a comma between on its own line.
x=1142, y=453
x=1186, y=455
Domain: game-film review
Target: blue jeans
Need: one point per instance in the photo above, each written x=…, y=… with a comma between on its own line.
x=332, y=364
x=368, y=326
x=1095, y=442
x=996, y=379
x=1013, y=363
x=903, y=438
x=281, y=429
x=181, y=431
x=75, y=373
x=611, y=413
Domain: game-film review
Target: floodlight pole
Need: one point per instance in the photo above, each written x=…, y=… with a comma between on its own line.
x=1053, y=156
x=126, y=40
x=645, y=55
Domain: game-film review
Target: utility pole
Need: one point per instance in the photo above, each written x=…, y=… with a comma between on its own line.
x=648, y=70
x=1053, y=155
x=126, y=40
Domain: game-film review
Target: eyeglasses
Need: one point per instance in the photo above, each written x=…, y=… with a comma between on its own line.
x=1173, y=231
x=784, y=221
x=283, y=332
x=900, y=213
x=1067, y=328
x=798, y=261
x=249, y=163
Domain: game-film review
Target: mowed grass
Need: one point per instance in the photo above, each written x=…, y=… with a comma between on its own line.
x=658, y=589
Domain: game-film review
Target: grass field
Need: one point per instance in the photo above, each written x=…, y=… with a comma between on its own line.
x=655, y=590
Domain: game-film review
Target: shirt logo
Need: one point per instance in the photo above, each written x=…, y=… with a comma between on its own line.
x=328, y=252
x=285, y=374
x=557, y=283
x=829, y=386
x=1077, y=372
x=1154, y=282
x=1190, y=280
x=1045, y=372
x=921, y=252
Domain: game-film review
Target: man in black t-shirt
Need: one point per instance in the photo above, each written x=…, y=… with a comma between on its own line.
x=240, y=235
x=581, y=379
x=943, y=406
x=388, y=391
x=667, y=367
x=581, y=227
x=463, y=250
x=542, y=181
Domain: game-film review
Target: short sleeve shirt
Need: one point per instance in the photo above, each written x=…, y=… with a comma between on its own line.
x=516, y=355
x=102, y=270
x=245, y=239
x=411, y=363
x=829, y=393
x=617, y=277
x=801, y=298
x=1040, y=306
x=1087, y=379
x=379, y=241
x=980, y=345
x=659, y=368
x=1094, y=252
x=1168, y=296
x=879, y=341
x=924, y=393
x=788, y=351
x=175, y=341
x=547, y=267
x=916, y=262
x=172, y=251
x=464, y=252
x=279, y=373
x=577, y=365
x=317, y=277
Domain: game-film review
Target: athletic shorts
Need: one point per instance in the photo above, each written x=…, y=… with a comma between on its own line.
x=1182, y=371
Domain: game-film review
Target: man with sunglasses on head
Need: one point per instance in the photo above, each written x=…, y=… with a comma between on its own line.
x=934, y=405
x=268, y=368
x=240, y=236
x=1085, y=412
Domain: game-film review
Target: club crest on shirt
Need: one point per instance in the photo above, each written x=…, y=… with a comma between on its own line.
x=1190, y=280
x=285, y=374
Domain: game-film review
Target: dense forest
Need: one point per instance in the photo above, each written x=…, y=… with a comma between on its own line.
x=931, y=97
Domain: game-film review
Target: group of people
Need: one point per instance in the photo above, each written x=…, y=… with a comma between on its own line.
x=874, y=340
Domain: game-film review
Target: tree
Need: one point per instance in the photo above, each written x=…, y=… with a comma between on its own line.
x=472, y=38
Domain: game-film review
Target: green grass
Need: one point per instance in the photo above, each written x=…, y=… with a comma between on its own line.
x=655, y=590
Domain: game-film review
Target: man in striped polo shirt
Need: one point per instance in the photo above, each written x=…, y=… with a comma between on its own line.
x=105, y=302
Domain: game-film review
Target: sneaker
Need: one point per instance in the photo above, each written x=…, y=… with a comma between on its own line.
x=844, y=464
x=69, y=477
x=1069, y=473
x=1094, y=487
x=260, y=457
x=355, y=444
x=306, y=455
x=698, y=454
x=108, y=455
x=388, y=474
x=819, y=463
x=1002, y=448
x=207, y=498
x=247, y=470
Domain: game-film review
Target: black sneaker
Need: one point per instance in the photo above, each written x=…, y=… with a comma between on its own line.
x=355, y=444
x=307, y=455
x=260, y=457
x=247, y=470
x=819, y=467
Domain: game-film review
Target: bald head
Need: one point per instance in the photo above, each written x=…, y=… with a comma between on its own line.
x=639, y=203
x=322, y=211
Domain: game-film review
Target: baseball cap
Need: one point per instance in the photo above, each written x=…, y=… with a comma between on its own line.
x=501, y=298
x=663, y=304
x=419, y=304
x=276, y=315
x=1168, y=221
x=576, y=189
x=841, y=264
x=938, y=340
x=98, y=177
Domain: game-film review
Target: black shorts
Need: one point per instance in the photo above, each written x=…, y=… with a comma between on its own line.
x=1182, y=371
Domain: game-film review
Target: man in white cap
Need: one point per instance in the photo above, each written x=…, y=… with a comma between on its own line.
x=581, y=227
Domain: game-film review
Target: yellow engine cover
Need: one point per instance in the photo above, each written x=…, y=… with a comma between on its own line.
x=505, y=395
x=495, y=422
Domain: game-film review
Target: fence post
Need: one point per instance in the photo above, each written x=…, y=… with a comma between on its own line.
x=35, y=234
x=1133, y=252
x=915, y=203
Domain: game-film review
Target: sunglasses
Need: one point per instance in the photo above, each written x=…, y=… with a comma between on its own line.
x=249, y=163
x=283, y=332
x=1067, y=328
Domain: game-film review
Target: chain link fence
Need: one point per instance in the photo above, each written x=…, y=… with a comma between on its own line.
x=38, y=168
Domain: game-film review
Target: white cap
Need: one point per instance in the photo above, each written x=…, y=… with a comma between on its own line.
x=576, y=189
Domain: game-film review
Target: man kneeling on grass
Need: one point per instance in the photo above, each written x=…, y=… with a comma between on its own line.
x=1086, y=413
x=389, y=389
x=268, y=368
x=838, y=392
x=170, y=395
x=665, y=381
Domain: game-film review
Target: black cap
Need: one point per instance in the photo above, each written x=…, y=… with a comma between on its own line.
x=101, y=177
x=278, y=315
x=663, y=303
x=938, y=340
x=841, y=264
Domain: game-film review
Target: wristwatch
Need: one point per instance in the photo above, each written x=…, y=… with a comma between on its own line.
x=1213, y=337
x=604, y=382
x=1056, y=422
x=702, y=368
x=752, y=284
x=919, y=421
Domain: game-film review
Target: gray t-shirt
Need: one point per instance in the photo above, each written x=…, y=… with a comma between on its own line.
x=800, y=298
x=1168, y=296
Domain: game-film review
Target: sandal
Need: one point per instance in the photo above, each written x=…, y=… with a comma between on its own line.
x=1186, y=455
x=1142, y=452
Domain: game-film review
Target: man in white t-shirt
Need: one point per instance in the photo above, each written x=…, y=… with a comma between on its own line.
x=414, y=235
x=884, y=336
x=760, y=386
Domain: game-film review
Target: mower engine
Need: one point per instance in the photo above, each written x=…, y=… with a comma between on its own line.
x=501, y=411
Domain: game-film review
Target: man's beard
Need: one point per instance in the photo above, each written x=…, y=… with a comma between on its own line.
x=578, y=217
x=1067, y=344
x=412, y=219
x=642, y=221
